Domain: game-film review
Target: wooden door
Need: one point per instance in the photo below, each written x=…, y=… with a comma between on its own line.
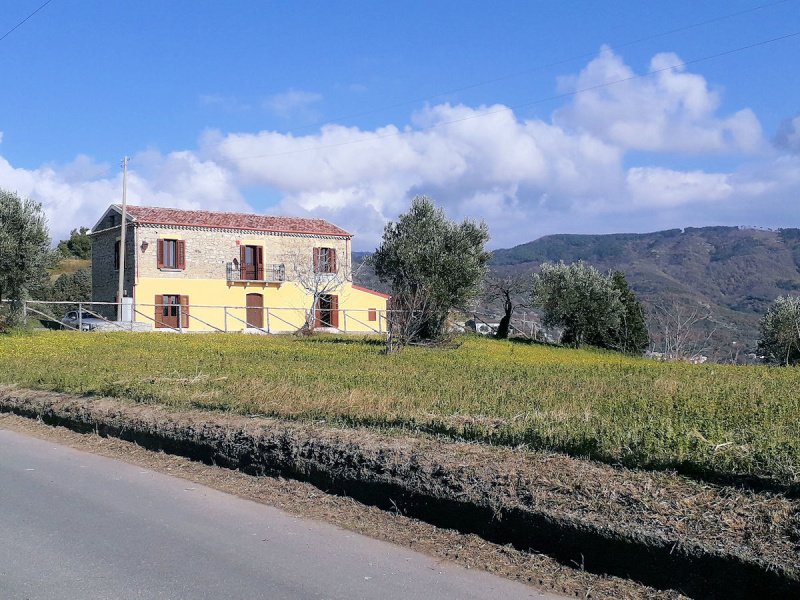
x=252, y=263
x=167, y=311
x=255, y=310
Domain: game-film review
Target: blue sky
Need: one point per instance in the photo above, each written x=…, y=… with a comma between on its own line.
x=341, y=110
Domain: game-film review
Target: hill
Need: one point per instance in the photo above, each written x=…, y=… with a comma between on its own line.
x=734, y=272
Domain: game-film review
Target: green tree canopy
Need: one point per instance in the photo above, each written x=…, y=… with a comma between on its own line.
x=431, y=264
x=78, y=245
x=73, y=287
x=631, y=335
x=24, y=248
x=590, y=308
x=780, y=331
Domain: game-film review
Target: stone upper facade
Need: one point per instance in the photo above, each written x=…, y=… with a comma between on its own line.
x=208, y=251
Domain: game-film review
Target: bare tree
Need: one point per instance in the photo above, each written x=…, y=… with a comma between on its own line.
x=507, y=290
x=320, y=275
x=682, y=331
x=407, y=317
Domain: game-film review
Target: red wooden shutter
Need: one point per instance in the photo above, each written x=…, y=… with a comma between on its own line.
x=180, y=248
x=260, y=262
x=316, y=260
x=159, y=302
x=242, y=259
x=331, y=260
x=372, y=315
x=317, y=315
x=160, y=253
x=334, y=311
x=184, y=311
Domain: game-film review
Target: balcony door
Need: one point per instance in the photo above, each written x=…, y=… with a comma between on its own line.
x=255, y=311
x=252, y=263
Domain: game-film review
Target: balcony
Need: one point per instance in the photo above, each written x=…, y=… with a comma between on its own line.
x=255, y=273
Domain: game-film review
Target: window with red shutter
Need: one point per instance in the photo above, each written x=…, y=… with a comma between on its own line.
x=180, y=251
x=372, y=314
x=171, y=254
x=331, y=260
x=315, y=253
x=324, y=260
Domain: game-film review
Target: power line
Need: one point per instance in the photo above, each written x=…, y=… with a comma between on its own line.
x=546, y=66
x=531, y=103
x=21, y=23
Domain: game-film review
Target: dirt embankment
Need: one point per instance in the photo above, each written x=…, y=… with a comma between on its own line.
x=657, y=528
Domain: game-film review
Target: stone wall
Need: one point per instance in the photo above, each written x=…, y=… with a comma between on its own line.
x=105, y=278
x=209, y=250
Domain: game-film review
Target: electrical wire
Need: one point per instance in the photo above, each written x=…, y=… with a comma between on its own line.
x=21, y=23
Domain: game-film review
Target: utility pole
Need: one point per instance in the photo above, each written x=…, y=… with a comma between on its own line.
x=121, y=287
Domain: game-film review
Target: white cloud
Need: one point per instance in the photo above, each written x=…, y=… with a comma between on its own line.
x=77, y=194
x=788, y=137
x=525, y=177
x=671, y=110
x=656, y=187
x=226, y=103
x=291, y=102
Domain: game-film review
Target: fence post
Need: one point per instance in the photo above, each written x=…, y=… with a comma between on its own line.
x=25, y=313
x=180, y=319
x=80, y=316
x=344, y=319
x=267, y=309
x=225, y=318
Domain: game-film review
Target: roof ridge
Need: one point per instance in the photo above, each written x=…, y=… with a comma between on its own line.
x=216, y=219
x=223, y=212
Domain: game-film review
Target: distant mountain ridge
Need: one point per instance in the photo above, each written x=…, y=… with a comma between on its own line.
x=735, y=271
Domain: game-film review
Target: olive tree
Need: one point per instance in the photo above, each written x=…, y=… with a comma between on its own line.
x=431, y=265
x=631, y=335
x=780, y=331
x=578, y=299
x=24, y=249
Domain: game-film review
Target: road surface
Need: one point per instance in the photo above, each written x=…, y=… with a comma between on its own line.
x=75, y=525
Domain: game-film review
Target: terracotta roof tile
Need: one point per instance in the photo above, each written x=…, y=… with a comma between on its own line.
x=226, y=220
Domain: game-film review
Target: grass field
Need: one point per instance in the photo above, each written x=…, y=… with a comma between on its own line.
x=710, y=419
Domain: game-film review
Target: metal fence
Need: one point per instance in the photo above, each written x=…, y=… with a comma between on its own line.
x=191, y=318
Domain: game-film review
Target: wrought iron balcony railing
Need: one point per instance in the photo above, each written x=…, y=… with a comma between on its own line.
x=266, y=273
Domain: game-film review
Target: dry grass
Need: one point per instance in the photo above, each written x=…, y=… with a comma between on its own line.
x=710, y=419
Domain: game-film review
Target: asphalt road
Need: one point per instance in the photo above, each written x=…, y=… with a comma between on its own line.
x=77, y=526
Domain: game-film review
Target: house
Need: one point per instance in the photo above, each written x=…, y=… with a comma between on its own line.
x=209, y=271
x=482, y=327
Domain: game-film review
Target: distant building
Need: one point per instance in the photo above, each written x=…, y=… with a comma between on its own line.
x=482, y=327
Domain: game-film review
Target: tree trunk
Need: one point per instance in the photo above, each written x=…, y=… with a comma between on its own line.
x=505, y=323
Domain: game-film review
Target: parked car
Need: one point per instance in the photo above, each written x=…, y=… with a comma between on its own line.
x=88, y=322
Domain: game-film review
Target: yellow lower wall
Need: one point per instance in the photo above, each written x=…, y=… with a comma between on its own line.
x=285, y=304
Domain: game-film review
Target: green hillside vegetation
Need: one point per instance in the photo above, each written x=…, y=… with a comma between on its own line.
x=704, y=419
x=69, y=266
x=735, y=272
